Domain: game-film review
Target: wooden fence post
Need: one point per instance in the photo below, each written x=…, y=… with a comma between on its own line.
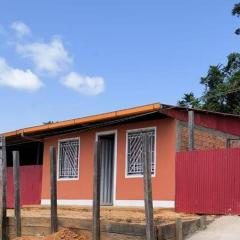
x=150, y=233
x=190, y=130
x=179, y=230
x=96, y=192
x=3, y=188
x=53, y=174
x=203, y=220
x=16, y=180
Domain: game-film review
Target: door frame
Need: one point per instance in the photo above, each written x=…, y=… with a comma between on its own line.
x=112, y=132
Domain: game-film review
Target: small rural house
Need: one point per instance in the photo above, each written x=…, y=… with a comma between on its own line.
x=122, y=166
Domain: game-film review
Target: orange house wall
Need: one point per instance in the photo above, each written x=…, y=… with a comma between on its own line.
x=126, y=188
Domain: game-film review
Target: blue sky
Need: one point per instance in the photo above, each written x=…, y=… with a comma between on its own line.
x=71, y=58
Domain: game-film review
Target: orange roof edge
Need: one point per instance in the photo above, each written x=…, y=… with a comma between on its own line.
x=84, y=120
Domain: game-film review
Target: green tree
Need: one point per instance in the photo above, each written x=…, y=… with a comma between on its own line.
x=221, y=84
x=48, y=122
x=236, y=12
x=190, y=101
x=221, y=88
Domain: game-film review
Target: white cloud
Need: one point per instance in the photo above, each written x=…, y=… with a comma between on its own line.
x=84, y=84
x=21, y=29
x=49, y=57
x=17, y=78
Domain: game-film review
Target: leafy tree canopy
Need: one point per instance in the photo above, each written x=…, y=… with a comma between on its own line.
x=236, y=12
x=221, y=88
x=221, y=84
x=48, y=122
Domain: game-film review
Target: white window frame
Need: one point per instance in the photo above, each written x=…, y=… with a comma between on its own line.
x=126, y=152
x=63, y=140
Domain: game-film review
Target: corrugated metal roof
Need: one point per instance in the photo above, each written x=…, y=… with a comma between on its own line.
x=86, y=120
x=108, y=116
x=167, y=106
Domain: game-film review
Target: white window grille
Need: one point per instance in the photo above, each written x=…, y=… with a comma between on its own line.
x=135, y=151
x=68, y=158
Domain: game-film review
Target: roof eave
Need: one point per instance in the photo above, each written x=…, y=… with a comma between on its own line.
x=85, y=120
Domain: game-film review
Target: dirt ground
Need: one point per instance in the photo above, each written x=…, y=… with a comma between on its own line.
x=113, y=214
x=223, y=228
x=63, y=234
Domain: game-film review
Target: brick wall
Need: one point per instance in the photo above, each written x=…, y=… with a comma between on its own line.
x=204, y=138
x=234, y=143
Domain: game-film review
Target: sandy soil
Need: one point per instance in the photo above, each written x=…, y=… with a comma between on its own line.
x=115, y=214
x=223, y=228
x=63, y=234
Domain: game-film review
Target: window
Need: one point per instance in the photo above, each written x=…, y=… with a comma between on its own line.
x=68, y=159
x=135, y=151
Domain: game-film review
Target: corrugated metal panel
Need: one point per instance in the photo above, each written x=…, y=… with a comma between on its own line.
x=208, y=181
x=221, y=122
x=30, y=185
x=107, y=171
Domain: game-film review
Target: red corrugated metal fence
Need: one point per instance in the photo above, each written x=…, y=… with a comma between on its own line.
x=208, y=181
x=30, y=185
